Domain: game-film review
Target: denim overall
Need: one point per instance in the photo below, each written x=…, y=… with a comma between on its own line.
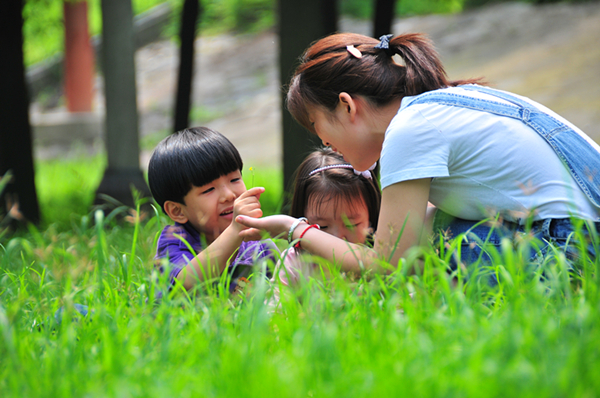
x=581, y=159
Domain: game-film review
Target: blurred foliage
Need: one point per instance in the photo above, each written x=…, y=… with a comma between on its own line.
x=44, y=32
x=365, y=9
x=43, y=29
x=43, y=26
x=237, y=15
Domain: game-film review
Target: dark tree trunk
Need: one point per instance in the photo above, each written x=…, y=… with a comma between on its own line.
x=384, y=16
x=329, y=15
x=122, y=138
x=300, y=23
x=187, y=34
x=16, y=146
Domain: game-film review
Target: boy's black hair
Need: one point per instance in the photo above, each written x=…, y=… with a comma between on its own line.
x=191, y=157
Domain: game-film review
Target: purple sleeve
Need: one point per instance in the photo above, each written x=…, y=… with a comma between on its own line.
x=172, y=248
x=251, y=252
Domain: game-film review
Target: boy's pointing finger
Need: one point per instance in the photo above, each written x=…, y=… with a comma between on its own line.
x=256, y=191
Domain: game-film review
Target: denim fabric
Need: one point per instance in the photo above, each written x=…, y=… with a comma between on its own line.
x=582, y=160
x=481, y=238
x=579, y=156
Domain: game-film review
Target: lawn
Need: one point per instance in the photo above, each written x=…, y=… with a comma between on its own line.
x=434, y=333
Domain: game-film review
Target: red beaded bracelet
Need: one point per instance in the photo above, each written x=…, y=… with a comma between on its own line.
x=297, y=245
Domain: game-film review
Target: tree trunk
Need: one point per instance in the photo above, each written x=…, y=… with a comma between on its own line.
x=384, y=17
x=16, y=146
x=300, y=23
x=187, y=36
x=122, y=141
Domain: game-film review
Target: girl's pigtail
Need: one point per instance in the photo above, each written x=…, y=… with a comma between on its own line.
x=424, y=70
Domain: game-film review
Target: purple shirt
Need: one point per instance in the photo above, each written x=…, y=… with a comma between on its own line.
x=178, y=253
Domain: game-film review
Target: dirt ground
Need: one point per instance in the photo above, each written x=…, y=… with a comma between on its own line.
x=549, y=53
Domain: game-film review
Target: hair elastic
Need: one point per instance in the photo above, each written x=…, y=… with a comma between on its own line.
x=366, y=173
x=294, y=226
x=384, y=44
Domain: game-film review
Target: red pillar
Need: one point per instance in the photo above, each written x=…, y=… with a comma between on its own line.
x=79, y=57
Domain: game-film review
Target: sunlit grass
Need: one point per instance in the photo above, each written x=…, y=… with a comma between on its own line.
x=427, y=335
x=430, y=334
x=66, y=187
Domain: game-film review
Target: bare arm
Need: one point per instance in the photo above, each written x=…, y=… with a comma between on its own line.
x=211, y=262
x=404, y=201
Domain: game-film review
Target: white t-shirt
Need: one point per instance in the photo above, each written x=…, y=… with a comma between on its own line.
x=481, y=164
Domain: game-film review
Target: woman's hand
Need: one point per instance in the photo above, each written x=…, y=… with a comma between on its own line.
x=275, y=226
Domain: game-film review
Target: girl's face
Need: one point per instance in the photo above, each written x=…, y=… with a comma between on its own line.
x=351, y=138
x=345, y=219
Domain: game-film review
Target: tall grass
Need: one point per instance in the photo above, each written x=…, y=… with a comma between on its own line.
x=434, y=333
x=422, y=335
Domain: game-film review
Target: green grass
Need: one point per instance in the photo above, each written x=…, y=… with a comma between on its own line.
x=66, y=187
x=426, y=335
x=432, y=334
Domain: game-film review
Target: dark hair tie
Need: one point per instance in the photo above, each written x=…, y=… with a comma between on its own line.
x=384, y=45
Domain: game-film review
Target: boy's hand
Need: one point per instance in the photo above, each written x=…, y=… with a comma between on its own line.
x=248, y=204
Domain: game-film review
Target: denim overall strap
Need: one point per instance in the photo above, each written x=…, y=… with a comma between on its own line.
x=580, y=158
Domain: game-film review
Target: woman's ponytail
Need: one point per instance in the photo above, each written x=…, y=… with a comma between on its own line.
x=364, y=66
x=424, y=70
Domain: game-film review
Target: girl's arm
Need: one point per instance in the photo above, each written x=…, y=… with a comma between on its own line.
x=211, y=262
x=406, y=200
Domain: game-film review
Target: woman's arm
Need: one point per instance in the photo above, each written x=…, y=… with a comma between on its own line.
x=406, y=200
x=403, y=208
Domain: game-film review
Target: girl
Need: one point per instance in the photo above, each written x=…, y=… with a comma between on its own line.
x=472, y=151
x=334, y=198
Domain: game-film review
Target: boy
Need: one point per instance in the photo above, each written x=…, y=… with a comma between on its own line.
x=195, y=177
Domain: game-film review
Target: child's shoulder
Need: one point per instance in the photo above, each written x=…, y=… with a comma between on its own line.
x=174, y=233
x=176, y=238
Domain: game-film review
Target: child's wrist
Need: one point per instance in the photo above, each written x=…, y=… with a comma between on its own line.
x=293, y=228
x=298, y=244
x=236, y=228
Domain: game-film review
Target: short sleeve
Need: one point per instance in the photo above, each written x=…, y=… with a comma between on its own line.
x=413, y=148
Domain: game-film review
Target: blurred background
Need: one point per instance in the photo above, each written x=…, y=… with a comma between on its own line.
x=546, y=50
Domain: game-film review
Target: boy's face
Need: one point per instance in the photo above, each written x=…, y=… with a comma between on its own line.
x=209, y=208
